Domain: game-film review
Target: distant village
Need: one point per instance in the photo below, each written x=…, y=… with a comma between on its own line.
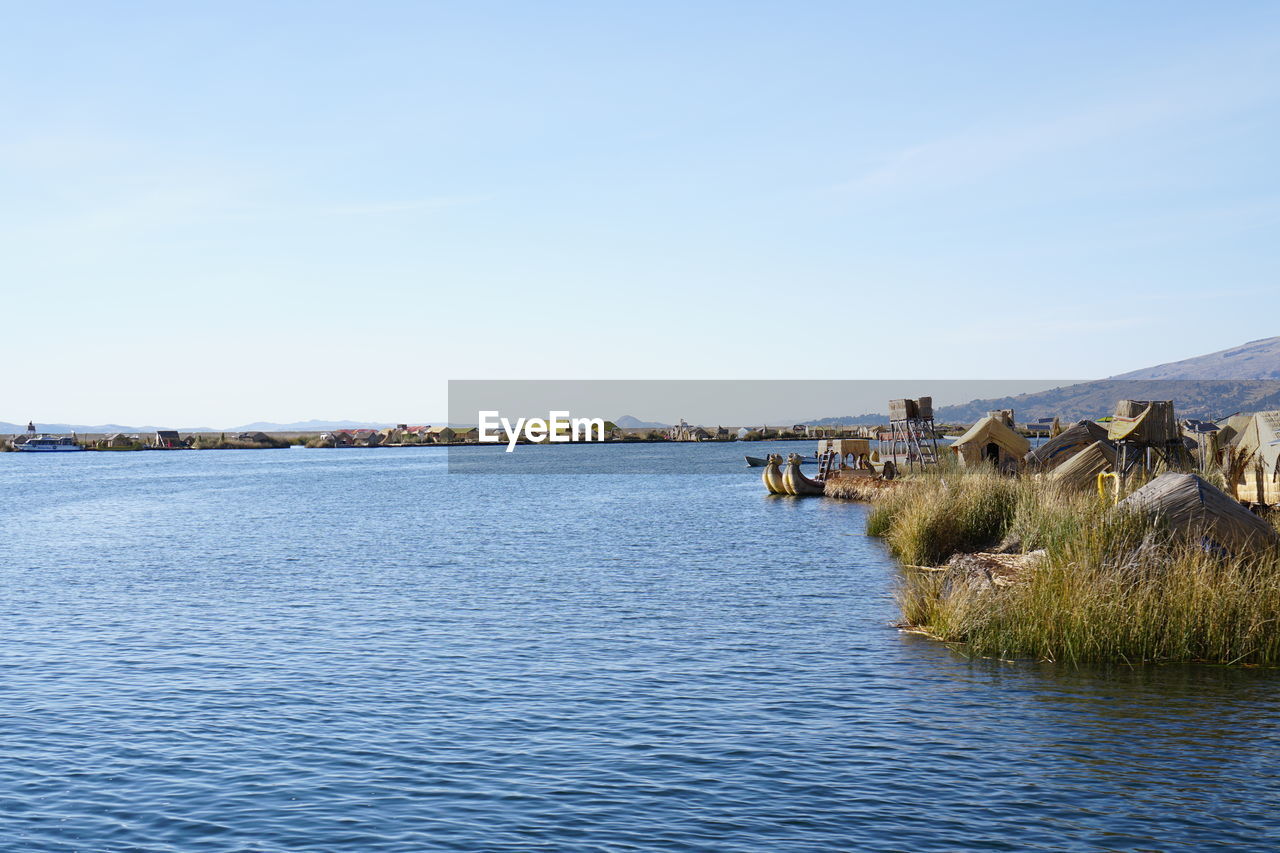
x=406, y=435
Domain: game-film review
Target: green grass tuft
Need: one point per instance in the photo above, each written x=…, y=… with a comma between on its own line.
x=1108, y=586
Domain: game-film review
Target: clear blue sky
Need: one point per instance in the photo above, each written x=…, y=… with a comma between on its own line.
x=222, y=212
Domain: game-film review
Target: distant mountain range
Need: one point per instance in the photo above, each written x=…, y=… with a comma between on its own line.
x=629, y=422
x=7, y=428
x=1241, y=379
x=847, y=420
x=1257, y=360
x=1193, y=398
x=258, y=426
x=306, y=426
x=1245, y=378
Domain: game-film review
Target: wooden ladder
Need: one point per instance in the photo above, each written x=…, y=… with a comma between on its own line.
x=825, y=464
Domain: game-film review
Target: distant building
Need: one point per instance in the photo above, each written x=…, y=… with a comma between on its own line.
x=684, y=431
x=442, y=434
x=366, y=437
x=1198, y=426
x=167, y=439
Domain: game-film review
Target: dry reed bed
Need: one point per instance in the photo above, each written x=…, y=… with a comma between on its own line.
x=860, y=488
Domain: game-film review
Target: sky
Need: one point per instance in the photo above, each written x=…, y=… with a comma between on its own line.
x=216, y=213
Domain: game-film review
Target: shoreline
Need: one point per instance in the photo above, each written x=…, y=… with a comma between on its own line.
x=285, y=441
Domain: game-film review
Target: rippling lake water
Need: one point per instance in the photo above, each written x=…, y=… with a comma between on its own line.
x=355, y=650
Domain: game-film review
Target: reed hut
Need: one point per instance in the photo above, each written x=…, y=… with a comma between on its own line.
x=1081, y=470
x=1231, y=428
x=1151, y=422
x=1146, y=432
x=1005, y=416
x=1067, y=444
x=1259, y=445
x=991, y=441
x=1199, y=511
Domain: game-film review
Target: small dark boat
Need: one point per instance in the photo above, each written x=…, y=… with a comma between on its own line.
x=757, y=462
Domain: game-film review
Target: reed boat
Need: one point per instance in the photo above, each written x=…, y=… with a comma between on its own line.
x=794, y=482
x=772, y=475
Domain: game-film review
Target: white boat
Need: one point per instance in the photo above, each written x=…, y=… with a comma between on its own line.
x=48, y=444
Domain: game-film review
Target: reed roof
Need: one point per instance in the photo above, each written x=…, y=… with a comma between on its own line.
x=1197, y=509
x=991, y=429
x=1081, y=470
x=1067, y=444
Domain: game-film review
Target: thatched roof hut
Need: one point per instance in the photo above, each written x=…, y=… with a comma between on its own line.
x=1081, y=470
x=1230, y=429
x=1067, y=444
x=1200, y=511
x=1259, y=438
x=991, y=440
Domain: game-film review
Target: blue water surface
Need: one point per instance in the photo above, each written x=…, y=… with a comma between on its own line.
x=354, y=650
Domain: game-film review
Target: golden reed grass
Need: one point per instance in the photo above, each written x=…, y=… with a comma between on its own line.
x=1108, y=587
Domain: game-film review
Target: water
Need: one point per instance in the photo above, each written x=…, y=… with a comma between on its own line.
x=353, y=650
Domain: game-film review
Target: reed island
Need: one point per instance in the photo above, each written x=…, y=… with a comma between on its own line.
x=1129, y=541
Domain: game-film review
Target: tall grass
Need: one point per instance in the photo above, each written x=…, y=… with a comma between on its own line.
x=1108, y=586
x=209, y=441
x=944, y=512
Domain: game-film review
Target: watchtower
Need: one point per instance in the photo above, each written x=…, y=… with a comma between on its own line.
x=912, y=439
x=1146, y=432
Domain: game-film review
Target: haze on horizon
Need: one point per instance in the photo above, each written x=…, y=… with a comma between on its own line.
x=240, y=212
